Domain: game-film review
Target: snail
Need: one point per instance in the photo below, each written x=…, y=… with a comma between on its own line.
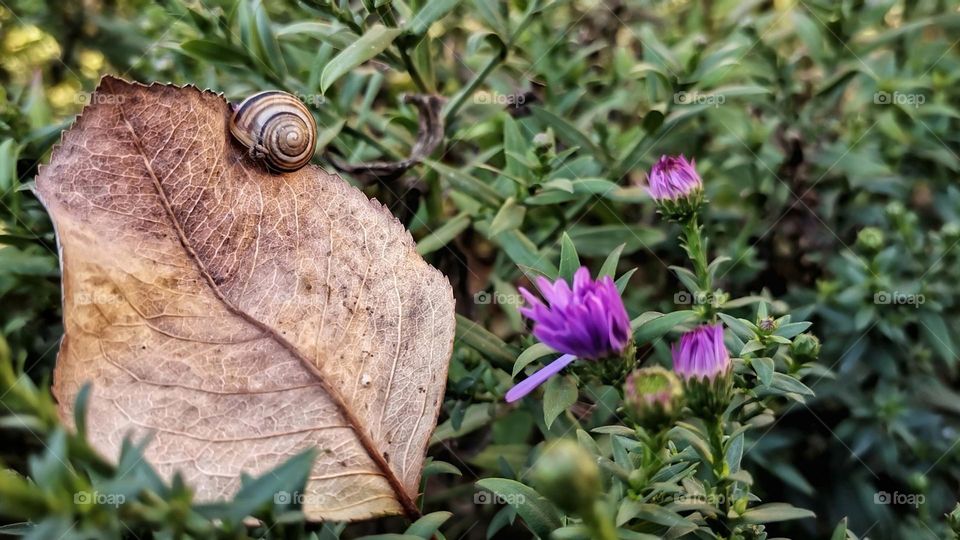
x=277, y=128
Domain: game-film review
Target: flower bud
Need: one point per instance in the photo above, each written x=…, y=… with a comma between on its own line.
x=652, y=396
x=870, y=239
x=676, y=187
x=895, y=209
x=543, y=141
x=805, y=347
x=568, y=475
x=702, y=361
x=767, y=325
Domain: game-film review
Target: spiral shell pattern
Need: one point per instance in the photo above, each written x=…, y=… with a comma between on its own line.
x=277, y=128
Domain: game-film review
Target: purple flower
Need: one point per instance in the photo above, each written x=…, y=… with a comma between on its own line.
x=701, y=354
x=587, y=321
x=672, y=178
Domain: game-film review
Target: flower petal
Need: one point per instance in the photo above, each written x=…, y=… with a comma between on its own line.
x=531, y=383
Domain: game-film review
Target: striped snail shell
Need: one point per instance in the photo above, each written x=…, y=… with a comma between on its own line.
x=277, y=128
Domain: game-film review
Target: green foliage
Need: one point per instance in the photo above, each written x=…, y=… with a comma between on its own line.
x=826, y=134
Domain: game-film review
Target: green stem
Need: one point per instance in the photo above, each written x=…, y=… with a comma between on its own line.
x=412, y=70
x=471, y=87
x=697, y=252
x=715, y=429
x=386, y=14
x=600, y=522
x=696, y=249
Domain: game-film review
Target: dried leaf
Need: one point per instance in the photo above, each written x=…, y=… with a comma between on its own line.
x=240, y=316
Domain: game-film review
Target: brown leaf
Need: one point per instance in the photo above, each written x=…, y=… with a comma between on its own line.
x=237, y=315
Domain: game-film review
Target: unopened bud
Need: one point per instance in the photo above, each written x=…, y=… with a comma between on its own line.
x=652, y=396
x=805, y=347
x=568, y=475
x=870, y=238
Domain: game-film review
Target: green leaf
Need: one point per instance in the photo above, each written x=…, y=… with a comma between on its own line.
x=482, y=340
x=477, y=416
x=790, y=384
x=623, y=280
x=268, y=47
x=609, y=267
x=436, y=467
x=840, y=532
x=569, y=260
x=525, y=254
x=509, y=217
x=734, y=453
x=587, y=442
x=631, y=509
x=696, y=439
x=214, y=51
x=790, y=330
x=374, y=41
x=599, y=240
x=444, y=235
x=429, y=14
x=571, y=532
x=751, y=346
x=428, y=524
x=742, y=327
x=256, y=493
x=80, y=410
x=531, y=354
x=559, y=394
x=566, y=131
x=937, y=335
x=689, y=281
x=763, y=367
x=537, y=512
x=772, y=512
x=467, y=183
x=647, y=328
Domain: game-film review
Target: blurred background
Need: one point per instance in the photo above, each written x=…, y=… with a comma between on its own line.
x=826, y=132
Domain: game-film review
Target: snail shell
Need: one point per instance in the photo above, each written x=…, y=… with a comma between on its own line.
x=277, y=128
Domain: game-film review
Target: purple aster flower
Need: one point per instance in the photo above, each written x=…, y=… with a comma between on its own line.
x=672, y=178
x=701, y=354
x=586, y=321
